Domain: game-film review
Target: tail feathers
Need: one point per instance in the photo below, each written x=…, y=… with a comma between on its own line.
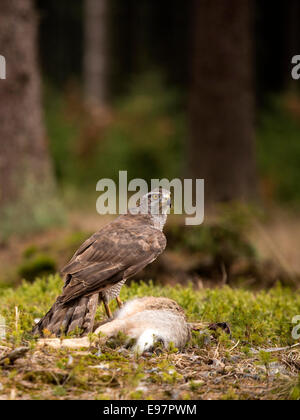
x=63, y=319
x=83, y=316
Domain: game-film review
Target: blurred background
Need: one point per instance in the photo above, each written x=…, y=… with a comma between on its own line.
x=195, y=88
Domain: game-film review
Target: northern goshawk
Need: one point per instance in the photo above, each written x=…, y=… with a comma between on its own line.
x=104, y=262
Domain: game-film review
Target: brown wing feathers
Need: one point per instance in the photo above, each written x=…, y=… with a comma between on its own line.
x=116, y=252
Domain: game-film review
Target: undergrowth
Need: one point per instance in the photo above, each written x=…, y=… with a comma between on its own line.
x=212, y=366
x=257, y=319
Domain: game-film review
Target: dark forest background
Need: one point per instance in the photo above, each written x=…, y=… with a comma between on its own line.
x=159, y=34
x=151, y=47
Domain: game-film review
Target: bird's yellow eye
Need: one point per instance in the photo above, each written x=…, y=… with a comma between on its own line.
x=155, y=197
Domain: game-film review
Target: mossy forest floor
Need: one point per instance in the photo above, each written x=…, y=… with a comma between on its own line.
x=261, y=360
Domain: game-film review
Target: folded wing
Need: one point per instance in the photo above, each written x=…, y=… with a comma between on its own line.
x=109, y=256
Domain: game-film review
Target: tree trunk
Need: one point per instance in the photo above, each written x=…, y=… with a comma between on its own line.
x=24, y=159
x=221, y=146
x=95, y=52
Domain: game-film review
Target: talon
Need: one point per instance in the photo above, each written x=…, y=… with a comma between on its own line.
x=107, y=310
x=119, y=302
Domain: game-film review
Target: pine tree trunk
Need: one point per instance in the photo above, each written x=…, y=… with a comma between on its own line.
x=95, y=52
x=24, y=159
x=221, y=147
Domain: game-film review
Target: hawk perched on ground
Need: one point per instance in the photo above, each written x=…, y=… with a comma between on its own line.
x=104, y=262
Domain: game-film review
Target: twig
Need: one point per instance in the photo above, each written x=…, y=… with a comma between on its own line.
x=234, y=346
x=216, y=351
x=275, y=349
x=17, y=317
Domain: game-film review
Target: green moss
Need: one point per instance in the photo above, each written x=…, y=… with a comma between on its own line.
x=136, y=395
x=36, y=266
x=295, y=391
x=230, y=395
x=195, y=385
x=59, y=391
x=260, y=319
x=255, y=318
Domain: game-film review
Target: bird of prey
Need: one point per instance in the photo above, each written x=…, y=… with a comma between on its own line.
x=104, y=262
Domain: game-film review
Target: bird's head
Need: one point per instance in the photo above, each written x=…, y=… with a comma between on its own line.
x=156, y=202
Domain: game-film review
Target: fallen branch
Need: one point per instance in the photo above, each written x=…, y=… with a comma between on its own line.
x=275, y=349
x=13, y=355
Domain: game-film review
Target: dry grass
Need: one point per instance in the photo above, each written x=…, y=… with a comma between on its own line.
x=211, y=372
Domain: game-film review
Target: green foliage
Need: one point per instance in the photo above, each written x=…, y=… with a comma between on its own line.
x=38, y=209
x=136, y=395
x=195, y=385
x=295, y=391
x=278, y=149
x=32, y=301
x=119, y=340
x=262, y=319
x=75, y=239
x=36, y=266
x=61, y=131
x=266, y=358
x=70, y=243
x=224, y=240
x=230, y=395
x=30, y=251
x=144, y=136
x=255, y=318
x=259, y=319
x=201, y=339
x=59, y=391
x=216, y=240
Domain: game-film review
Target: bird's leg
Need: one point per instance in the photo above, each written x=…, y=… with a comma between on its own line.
x=103, y=298
x=119, y=302
x=107, y=310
